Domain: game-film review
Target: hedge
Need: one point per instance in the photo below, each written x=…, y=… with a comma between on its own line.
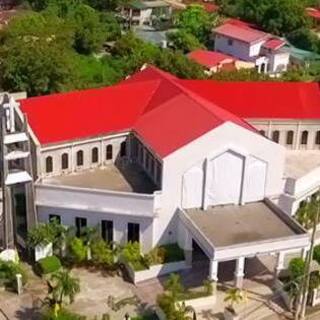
x=49, y=265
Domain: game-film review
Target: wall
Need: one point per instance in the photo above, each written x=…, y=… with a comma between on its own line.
x=239, y=49
x=278, y=62
x=298, y=126
x=73, y=147
x=94, y=219
x=221, y=138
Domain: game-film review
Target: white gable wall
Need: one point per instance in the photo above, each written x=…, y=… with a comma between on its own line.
x=263, y=158
x=242, y=50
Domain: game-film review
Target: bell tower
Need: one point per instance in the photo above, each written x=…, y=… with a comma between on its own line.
x=16, y=174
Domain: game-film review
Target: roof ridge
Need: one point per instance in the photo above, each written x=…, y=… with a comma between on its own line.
x=198, y=99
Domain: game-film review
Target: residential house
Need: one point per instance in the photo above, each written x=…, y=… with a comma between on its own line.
x=252, y=45
x=213, y=61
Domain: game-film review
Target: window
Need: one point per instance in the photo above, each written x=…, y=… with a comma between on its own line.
x=81, y=223
x=133, y=232
x=230, y=42
x=54, y=217
x=94, y=155
x=275, y=136
x=109, y=152
x=80, y=158
x=290, y=137
x=107, y=230
x=123, y=149
x=65, y=161
x=49, y=164
x=304, y=137
x=262, y=132
x=317, y=137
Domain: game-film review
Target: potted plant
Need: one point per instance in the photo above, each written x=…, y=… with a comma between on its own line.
x=234, y=296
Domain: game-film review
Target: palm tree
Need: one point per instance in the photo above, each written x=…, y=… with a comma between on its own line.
x=234, y=296
x=64, y=286
x=174, y=285
x=184, y=312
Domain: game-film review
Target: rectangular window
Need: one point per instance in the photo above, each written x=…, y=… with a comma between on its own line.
x=54, y=217
x=107, y=230
x=81, y=223
x=133, y=232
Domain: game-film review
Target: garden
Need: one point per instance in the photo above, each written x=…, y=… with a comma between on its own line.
x=75, y=266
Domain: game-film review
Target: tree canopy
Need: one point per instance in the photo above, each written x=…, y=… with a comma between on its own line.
x=36, y=56
x=184, y=41
x=197, y=22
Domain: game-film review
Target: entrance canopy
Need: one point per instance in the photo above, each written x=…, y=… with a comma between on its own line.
x=233, y=231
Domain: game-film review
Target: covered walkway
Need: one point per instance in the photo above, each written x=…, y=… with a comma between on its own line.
x=236, y=234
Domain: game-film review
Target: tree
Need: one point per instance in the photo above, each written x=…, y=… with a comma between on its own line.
x=90, y=32
x=196, y=21
x=234, y=296
x=184, y=41
x=184, y=312
x=304, y=38
x=105, y=5
x=179, y=65
x=36, y=55
x=63, y=286
x=174, y=285
x=275, y=16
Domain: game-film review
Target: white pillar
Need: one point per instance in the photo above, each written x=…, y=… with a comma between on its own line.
x=213, y=270
x=304, y=253
x=279, y=263
x=239, y=272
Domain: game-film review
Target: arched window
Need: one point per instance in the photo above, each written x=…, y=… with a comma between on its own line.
x=94, y=155
x=317, y=141
x=304, y=137
x=49, y=164
x=275, y=136
x=80, y=158
x=109, y=152
x=64, y=161
x=262, y=132
x=290, y=137
x=123, y=149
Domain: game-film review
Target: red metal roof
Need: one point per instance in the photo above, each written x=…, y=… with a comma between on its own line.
x=313, y=13
x=274, y=44
x=165, y=114
x=261, y=100
x=209, y=59
x=245, y=34
x=210, y=7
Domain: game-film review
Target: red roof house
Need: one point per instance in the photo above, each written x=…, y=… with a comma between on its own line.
x=210, y=59
x=241, y=33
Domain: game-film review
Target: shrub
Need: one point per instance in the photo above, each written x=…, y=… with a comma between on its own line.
x=63, y=314
x=8, y=272
x=165, y=254
x=77, y=250
x=102, y=254
x=208, y=287
x=49, y=265
x=296, y=268
x=316, y=253
x=131, y=254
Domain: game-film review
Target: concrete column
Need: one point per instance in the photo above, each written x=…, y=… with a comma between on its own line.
x=239, y=272
x=213, y=270
x=304, y=253
x=279, y=264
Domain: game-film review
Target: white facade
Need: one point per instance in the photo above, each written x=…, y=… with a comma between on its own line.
x=266, y=61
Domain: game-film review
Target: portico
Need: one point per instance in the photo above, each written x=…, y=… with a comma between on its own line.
x=235, y=233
